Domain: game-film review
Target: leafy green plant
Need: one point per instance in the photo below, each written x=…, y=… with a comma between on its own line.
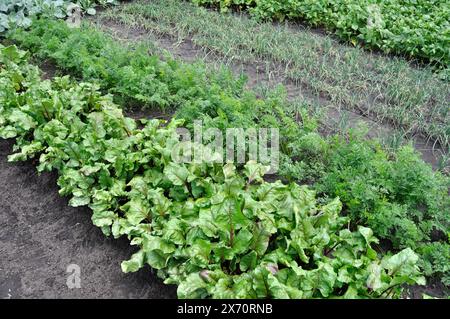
x=206, y=227
x=395, y=193
x=413, y=100
x=416, y=28
x=19, y=13
x=88, y=6
x=388, y=196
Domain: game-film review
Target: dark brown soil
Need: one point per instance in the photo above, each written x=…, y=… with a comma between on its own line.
x=434, y=288
x=49, y=70
x=40, y=236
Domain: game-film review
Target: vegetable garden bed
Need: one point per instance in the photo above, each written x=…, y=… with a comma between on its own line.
x=217, y=230
x=206, y=228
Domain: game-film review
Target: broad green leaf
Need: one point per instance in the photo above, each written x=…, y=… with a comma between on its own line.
x=136, y=210
x=135, y=263
x=242, y=241
x=248, y=262
x=79, y=201
x=255, y=171
x=374, y=279
x=103, y=218
x=193, y=287
x=176, y=173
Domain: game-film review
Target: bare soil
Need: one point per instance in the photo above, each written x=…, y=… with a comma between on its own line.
x=40, y=236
